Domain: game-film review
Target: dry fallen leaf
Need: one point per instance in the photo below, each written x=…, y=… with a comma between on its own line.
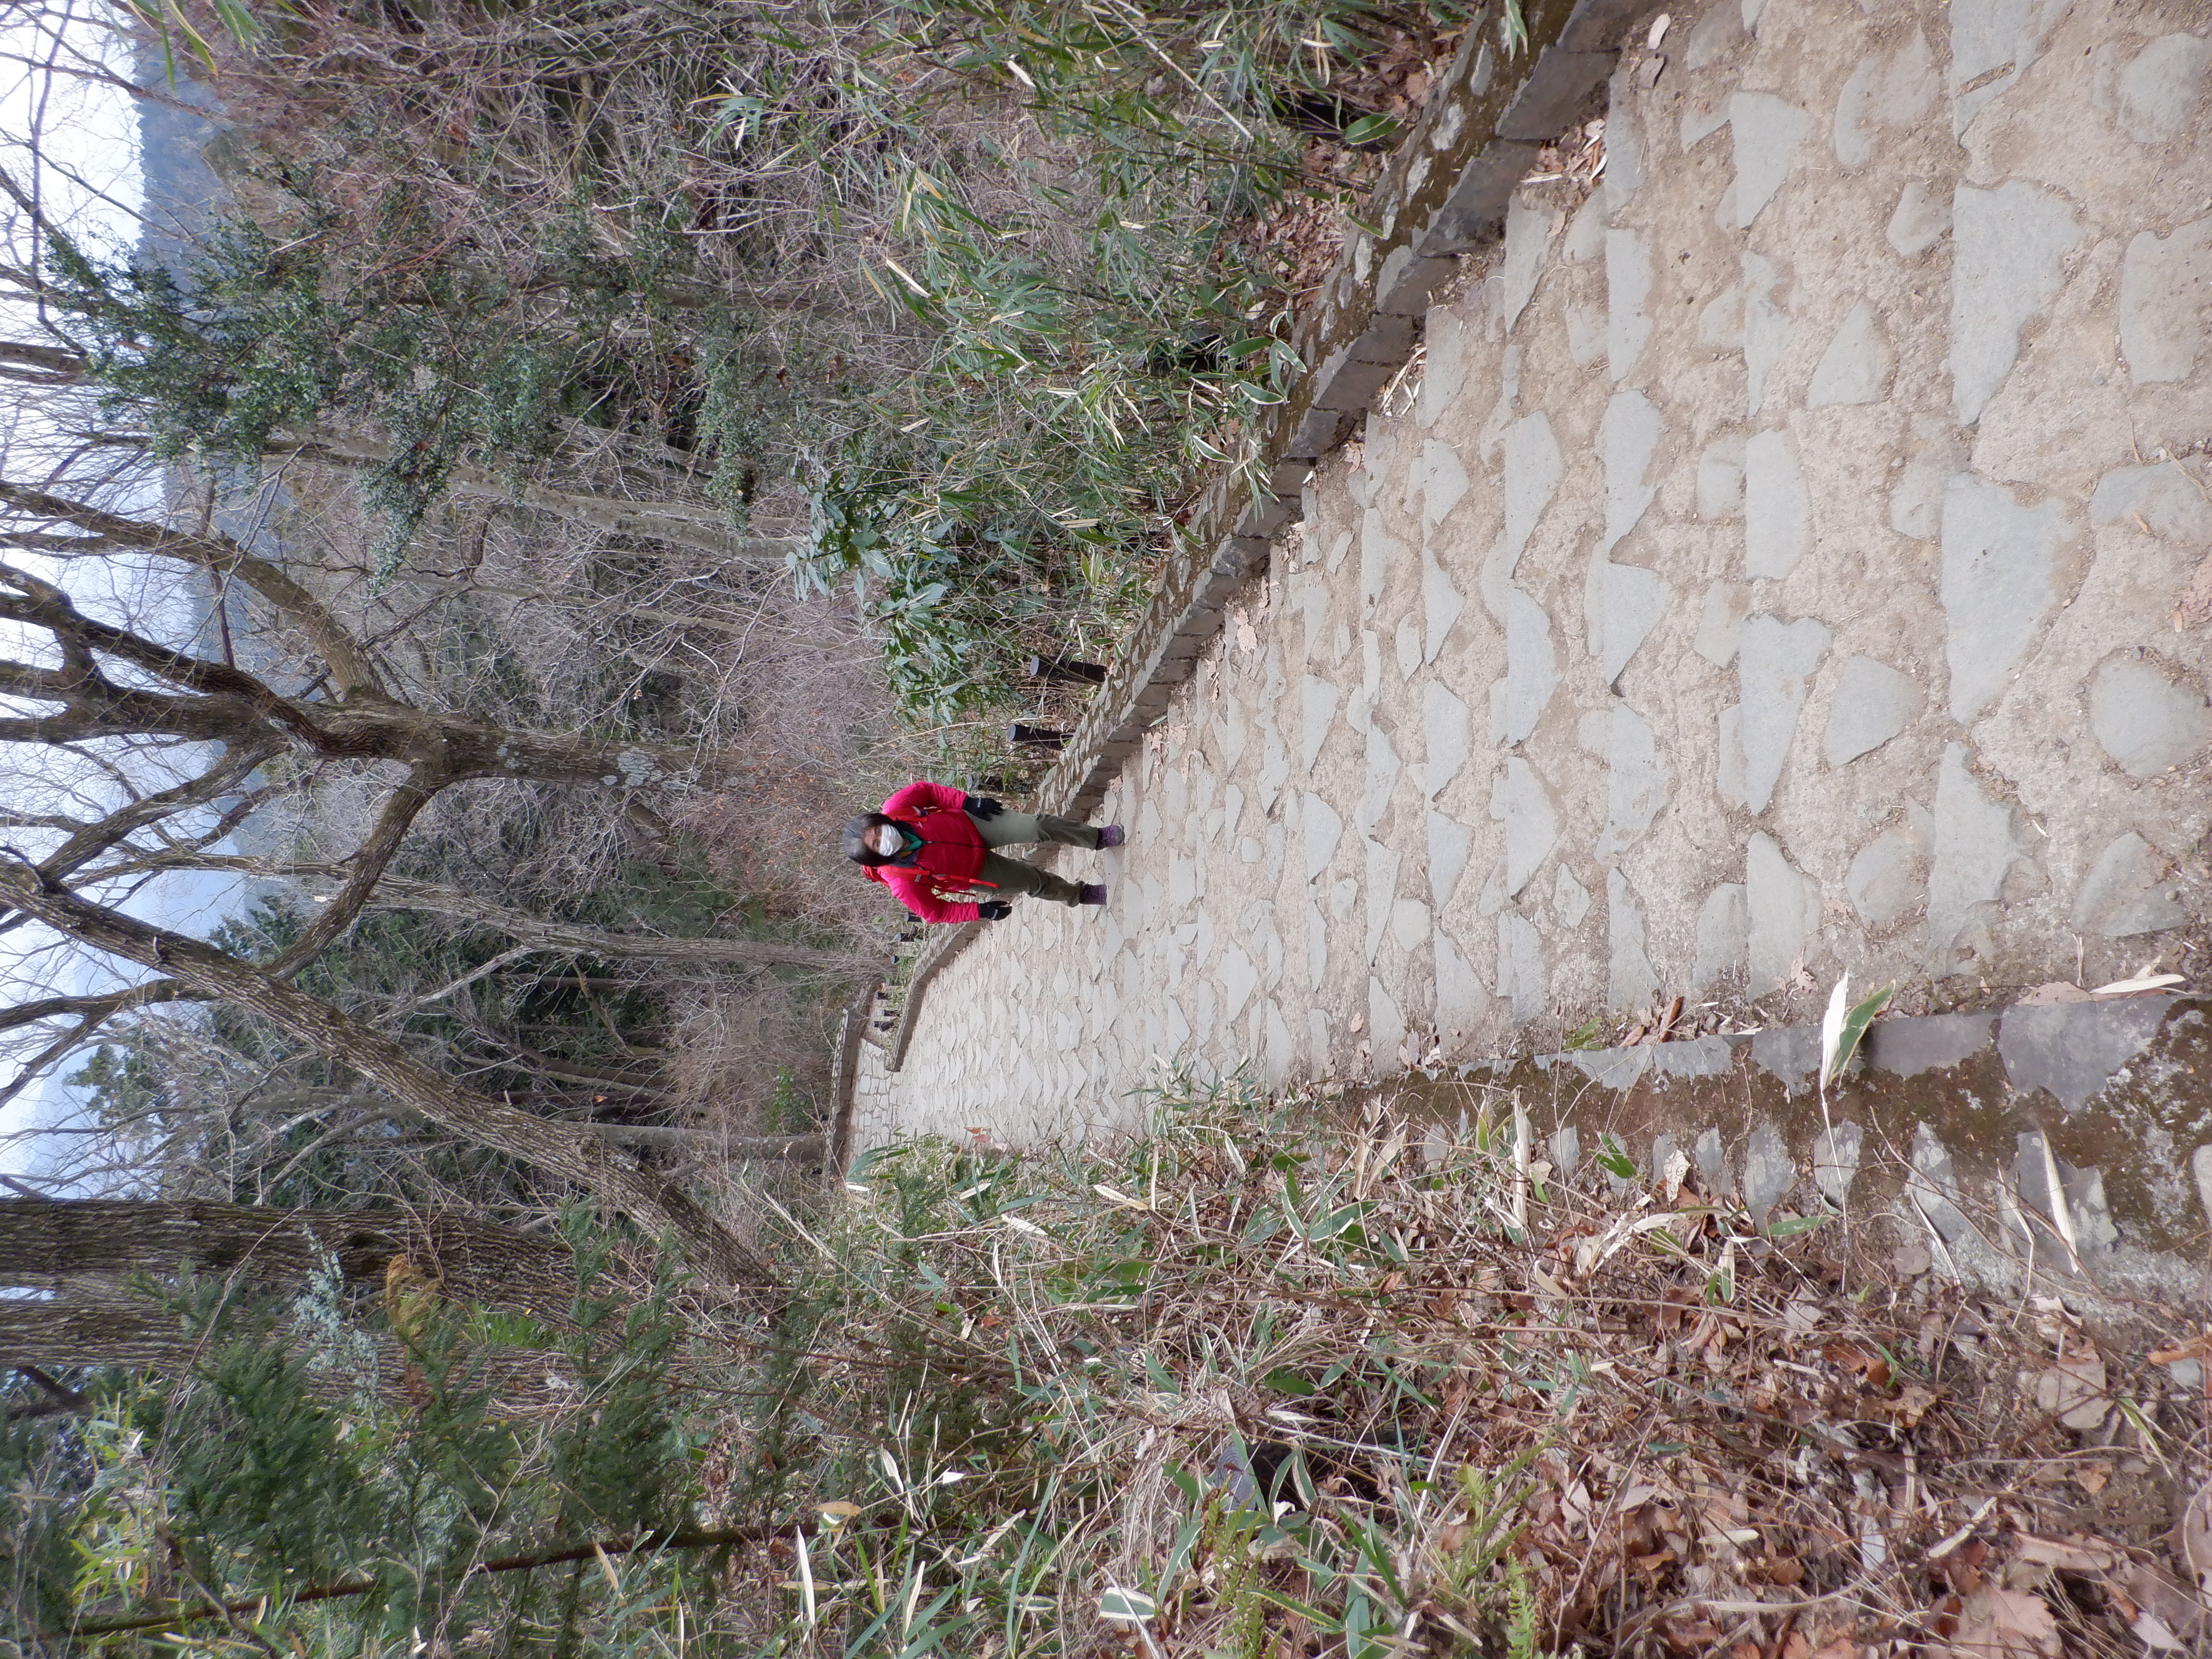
x=2073, y=1390
x=2140, y=985
x=2196, y=1532
x=2057, y=990
x=1997, y=1623
x=2171, y=1615
x=2067, y=1554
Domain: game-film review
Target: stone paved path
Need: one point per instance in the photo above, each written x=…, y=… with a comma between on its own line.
x=1780, y=566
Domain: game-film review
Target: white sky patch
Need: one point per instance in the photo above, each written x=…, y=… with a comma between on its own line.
x=69, y=137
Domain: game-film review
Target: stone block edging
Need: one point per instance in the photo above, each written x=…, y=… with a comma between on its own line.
x=1444, y=194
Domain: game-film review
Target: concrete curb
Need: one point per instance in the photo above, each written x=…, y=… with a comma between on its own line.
x=1444, y=194
x=1957, y=1125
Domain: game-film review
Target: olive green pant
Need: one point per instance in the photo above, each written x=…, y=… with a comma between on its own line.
x=1012, y=877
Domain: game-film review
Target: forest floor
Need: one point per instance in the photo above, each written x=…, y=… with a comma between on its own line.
x=1311, y=1376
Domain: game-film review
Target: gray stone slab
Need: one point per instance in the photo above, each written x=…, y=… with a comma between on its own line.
x=1782, y=910
x=1766, y=327
x=1930, y=1042
x=1383, y=771
x=1777, y=526
x=1791, y=1053
x=1567, y=1149
x=1623, y=144
x=1972, y=848
x=1238, y=979
x=1766, y=132
x=1992, y=43
x=1720, y=478
x=1856, y=367
x=2128, y=892
x=1530, y=476
x=1636, y=780
x=2009, y=249
x=1630, y=978
x=1441, y=604
x=2159, y=90
x=1402, y=288
x=1628, y=434
x=1528, y=231
x=1521, y=804
x=1712, y=1161
x=1775, y=662
x=1888, y=875
x=1933, y=1186
x=1323, y=828
x=1520, y=976
x=1447, y=733
x=2163, y=497
x=1317, y=700
x=1723, y=935
x=1718, y=32
x=1604, y=25
x=1886, y=89
x=2072, y=1049
x=1720, y=622
x=1872, y=703
x=1343, y=383
x=1627, y=289
x=1444, y=481
x=1560, y=90
x=1619, y=1069
x=1449, y=842
x=1999, y=563
x=1460, y=1000
x=1571, y=900
x=1835, y=1160
x=1768, y=1174
x=1380, y=893
x=2145, y=722
x=1532, y=672
x=1920, y=220
x=1585, y=237
x=1622, y=604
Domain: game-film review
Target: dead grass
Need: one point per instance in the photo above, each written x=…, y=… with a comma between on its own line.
x=1275, y=1387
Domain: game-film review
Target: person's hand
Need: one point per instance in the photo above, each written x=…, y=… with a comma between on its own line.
x=995, y=911
x=981, y=807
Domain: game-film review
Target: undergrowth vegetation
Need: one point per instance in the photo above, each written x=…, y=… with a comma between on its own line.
x=986, y=287
x=1291, y=1377
x=1297, y=1377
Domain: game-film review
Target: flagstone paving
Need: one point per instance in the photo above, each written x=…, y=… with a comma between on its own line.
x=1778, y=568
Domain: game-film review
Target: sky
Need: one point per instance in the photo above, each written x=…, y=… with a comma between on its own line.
x=76, y=143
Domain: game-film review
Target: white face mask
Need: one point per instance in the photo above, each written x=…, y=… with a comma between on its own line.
x=886, y=840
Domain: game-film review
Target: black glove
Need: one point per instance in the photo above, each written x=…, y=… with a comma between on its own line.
x=981, y=807
x=995, y=911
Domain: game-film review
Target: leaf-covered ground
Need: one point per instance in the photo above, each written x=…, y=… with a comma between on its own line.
x=1305, y=1377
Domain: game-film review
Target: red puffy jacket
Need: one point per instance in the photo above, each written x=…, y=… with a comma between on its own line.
x=935, y=885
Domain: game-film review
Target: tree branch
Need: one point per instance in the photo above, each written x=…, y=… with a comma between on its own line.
x=563, y=1150
x=370, y=861
x=351, y=671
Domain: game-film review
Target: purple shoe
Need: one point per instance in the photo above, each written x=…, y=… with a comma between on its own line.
x=1093, y=893
x=1111, y=836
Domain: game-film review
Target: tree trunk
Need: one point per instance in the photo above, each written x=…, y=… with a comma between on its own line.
x=56, y=1335
x=564, y=1150
x=795, y=1149
x=42, y=1241
x=698, y=526
x=61, y=1336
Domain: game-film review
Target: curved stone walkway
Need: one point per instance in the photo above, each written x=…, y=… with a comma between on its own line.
x=1792, y=557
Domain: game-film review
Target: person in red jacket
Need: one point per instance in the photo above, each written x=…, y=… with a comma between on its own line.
x=933, y=846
